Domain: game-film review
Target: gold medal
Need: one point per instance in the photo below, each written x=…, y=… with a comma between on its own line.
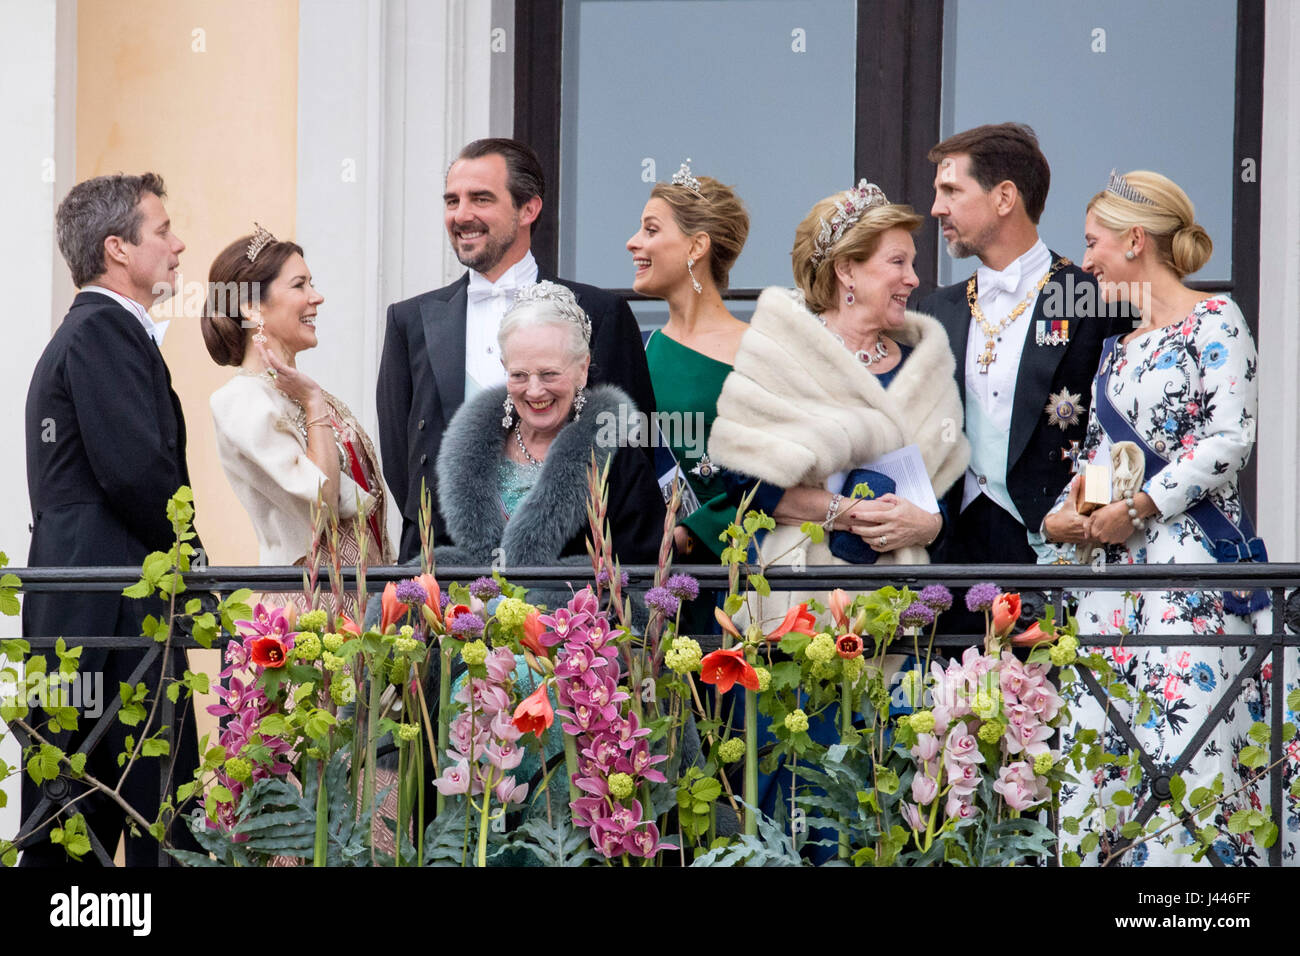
x=1063, y=409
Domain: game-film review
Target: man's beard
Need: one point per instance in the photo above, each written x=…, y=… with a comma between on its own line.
x=494, y=248
x=963, y=248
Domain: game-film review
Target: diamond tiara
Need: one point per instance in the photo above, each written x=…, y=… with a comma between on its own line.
x=683, y=177
x=561, y=298
x=261, y=239
x=1118, y=185
x=848, y=210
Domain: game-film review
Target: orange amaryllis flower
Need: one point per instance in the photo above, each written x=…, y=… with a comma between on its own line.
x=1034, y=635
x=534, y=713
x=269, y=651
x=728, y=667
x=840, y=602
x=393, y=610
x=345, y=623
x=798, y=620
x=430, y=584
x=848, y=646
x=533, y=631
x=1006, y=611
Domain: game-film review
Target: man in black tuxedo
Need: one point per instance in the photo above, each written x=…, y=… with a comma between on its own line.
x=441, y=343
x=1027, y=330
x=105, y=452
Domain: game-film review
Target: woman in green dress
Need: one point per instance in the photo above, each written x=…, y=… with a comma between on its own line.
x=692, y=231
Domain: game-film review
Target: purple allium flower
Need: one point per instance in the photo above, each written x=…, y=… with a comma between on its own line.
x=467, y=624
x=485, y=589
x=683, y=586
x=936, y=597
x=443, y=600
x=412, y=593
x=981, y=597
x=602, y=578
x=916, y=615
x=663, y=601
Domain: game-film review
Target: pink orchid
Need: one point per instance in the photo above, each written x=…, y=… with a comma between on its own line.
x=924, y=789
x=912, y=816
x=500, y=664
x=926, y=747
x=503, y=756
x=1020, y=787
x=958, y=808
x=961, y=746
x=454, y=780
x=508, y=791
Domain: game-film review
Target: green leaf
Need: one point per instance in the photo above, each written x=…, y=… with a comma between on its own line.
x=50, y=756
x=1131, y=829
x=1123, y=798
x=1070, y=858
x=1089, y=842
x=185, y=791
x=15, y=648
x=1177, y=789
x=78, y=762
x=733, y=604
x=1070, y=825
x=1293, y=700
x=886, y=780
x=1266, y=834
x=220, y=794
x=1253, y=756
x=759, y=584
x=156, y=747
x=707, y=789
x=815, y=532
x=1239, y=822
x=1259, y=732
x=273, y=725
x=173, y=692
x=785, y=675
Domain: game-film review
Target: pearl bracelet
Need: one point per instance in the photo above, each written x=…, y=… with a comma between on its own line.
x=1138, y=523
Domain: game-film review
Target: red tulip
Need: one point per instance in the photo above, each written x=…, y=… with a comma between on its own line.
x=840, y=602
x=269, y=652
x=533, y=631
x=393, y=610
x=430, y=584
x=1033, y=635
x=798, y=620
x=728, y=667
x=534, y=714
x=848, y=646
x=1006, y=611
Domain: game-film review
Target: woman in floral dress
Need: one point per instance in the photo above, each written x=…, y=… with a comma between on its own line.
x=1184, y=385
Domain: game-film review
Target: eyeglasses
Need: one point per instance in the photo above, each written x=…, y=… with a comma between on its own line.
x=521, y=377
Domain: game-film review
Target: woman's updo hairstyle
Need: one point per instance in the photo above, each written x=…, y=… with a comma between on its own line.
x=813, y=260
x=1167, y=216
x=233, y=283
x=716, y=210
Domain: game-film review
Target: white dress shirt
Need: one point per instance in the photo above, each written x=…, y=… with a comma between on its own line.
x=155, y=330
x=487, y=305
x=998, y=293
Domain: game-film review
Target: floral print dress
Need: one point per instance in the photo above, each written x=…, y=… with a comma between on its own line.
x=1189, y=390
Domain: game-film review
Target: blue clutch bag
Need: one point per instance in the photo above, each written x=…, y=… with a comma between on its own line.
x=846, y=545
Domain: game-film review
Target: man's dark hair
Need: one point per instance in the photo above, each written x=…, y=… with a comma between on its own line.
x=1000, y=152
x=524, y=176
x=96, y=209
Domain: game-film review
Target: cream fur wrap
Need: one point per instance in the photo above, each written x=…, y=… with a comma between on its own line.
x=799, y=407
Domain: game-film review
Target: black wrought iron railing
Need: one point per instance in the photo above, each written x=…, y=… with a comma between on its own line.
x=1277, y=635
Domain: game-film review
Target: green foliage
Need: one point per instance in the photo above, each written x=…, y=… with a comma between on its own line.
x=773, y=846
x=554, y=844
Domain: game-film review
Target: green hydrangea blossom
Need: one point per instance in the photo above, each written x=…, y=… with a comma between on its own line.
x=405, y=645
x=408, y=732
x=821, y=648
x=922, y=721
x=731, y=749
x=332, y=642
x=684, y=656
x=1043, y=763
x=764, y=678
x=987, y=704
x=796, y=721
x=343, y=692
x=991, y=731
x=237, y=768
x=474, y=653
x=312, y=621
x=621, y=786
x=332, y=662
x=511, y=614
x=307, y=646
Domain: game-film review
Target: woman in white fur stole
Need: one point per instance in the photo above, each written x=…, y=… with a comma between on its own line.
x=823, y=389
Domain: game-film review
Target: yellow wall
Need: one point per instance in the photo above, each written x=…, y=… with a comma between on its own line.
x=204, y=94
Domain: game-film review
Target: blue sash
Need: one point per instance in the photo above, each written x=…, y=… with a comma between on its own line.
x=1231, y=542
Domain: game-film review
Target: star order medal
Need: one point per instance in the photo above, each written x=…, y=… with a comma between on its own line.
x=705, y=469
x=1063, y=409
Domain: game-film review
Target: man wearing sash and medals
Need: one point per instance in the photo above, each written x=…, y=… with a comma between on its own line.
x=1027, y=335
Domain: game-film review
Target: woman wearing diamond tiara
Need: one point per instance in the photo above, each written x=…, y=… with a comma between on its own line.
x=823, y=389
x=512, y=471
x=281, y=438
x=692, y=231
x=1182, y=389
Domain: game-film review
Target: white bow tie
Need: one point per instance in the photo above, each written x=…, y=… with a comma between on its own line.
x=486, y=293
x=1008, y=280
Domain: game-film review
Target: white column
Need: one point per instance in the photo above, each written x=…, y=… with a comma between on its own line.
x=1278, y=449
x=34, y=176
x=388, y=92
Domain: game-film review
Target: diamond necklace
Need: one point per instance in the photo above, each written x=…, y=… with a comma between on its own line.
x=865, y=356
x=524, y=448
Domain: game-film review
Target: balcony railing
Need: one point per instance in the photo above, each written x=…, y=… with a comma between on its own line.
x=1053, y=583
